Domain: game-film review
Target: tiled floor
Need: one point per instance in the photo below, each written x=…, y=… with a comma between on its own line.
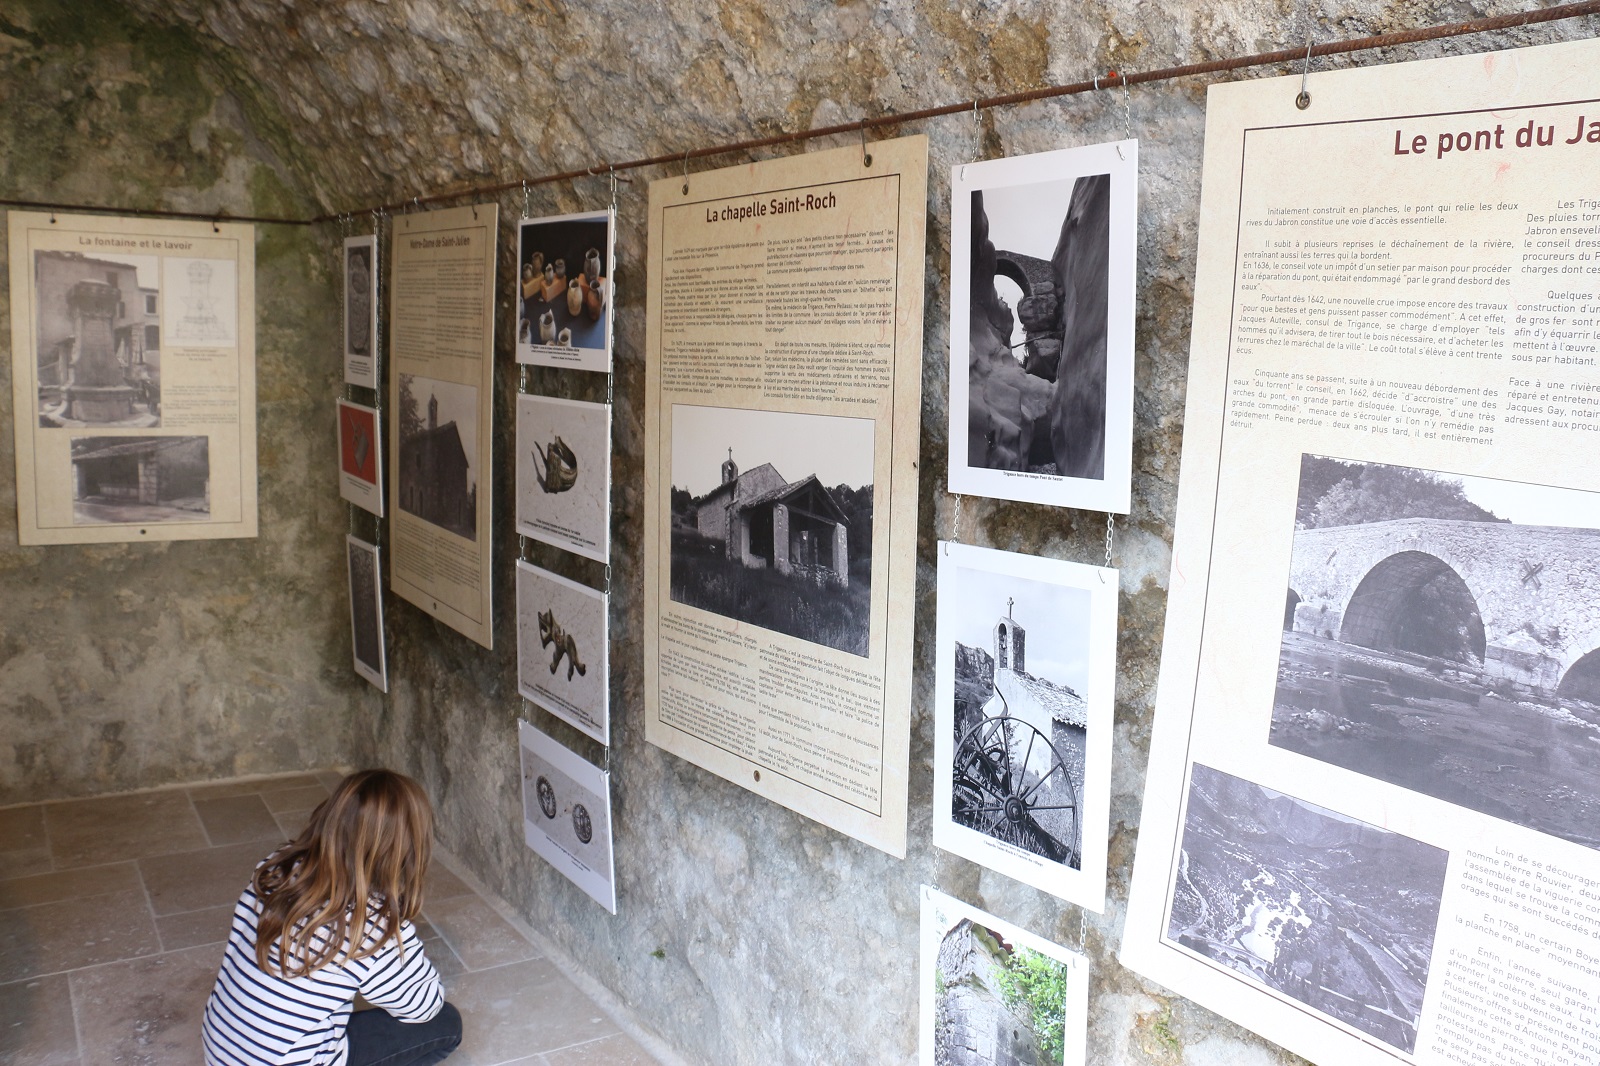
x=113, y=912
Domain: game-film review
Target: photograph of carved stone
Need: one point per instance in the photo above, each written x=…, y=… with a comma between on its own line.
x=995, y=995
x=1330, y=911
x=562, y=649
x=200, y=308
x=1041, y=327
x=438, y=426
x=361, y=310
x=366, y=612
x=140, y=480
x=360, y=456
x=564, y=474
x=1024, y=685
x=564, y=290
x=1442, y=632
x=566, y=814
x=98, y=335
x=772, y=520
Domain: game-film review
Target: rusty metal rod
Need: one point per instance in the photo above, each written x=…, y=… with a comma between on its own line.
x=1109, y=80
x=198, y=216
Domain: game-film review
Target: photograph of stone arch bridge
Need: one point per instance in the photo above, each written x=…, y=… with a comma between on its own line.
x=1442, y=633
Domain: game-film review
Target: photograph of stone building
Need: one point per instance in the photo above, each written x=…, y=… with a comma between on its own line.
x=140, y=479
x=98, y=340
x=1442, y=633
x=438, y=432
x=788, y=555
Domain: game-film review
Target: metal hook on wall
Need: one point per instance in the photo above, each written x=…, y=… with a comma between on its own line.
x=1303, y=100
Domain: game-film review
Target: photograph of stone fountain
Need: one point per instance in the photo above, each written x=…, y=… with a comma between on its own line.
x=98, y=338
x=1442, y=633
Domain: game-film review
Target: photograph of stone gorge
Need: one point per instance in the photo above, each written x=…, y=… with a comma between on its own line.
x=1328, y=910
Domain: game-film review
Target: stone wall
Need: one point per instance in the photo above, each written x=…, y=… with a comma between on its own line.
x=125, y=666
x=746, y=934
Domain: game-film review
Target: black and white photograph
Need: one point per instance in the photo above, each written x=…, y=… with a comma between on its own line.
x=97, y=328
x=772, y=521
x=1024, y=706
x=366, y=612
x=564, y=474
x=1442, y=632
x=1327, y=910
x=565, y=291
x=994, y=994
x=1041, y=352
x=140, y=480
x=361, y=310
x=438, y=479
x=566, y=814
x=562, y=645
x=200, y=302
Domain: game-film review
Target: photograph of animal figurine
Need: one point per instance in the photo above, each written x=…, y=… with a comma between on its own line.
x=564, y=474
x=562, y=648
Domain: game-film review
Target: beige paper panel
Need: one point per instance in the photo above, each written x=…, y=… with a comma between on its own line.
x=784, y=362
x=1402, y=276
x=441, y=348
x=133, y=378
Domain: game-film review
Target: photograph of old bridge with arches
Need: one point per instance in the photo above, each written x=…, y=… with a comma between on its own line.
x=1442, y=633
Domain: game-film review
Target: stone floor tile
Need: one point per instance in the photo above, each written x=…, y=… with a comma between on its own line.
x=195, y=880
x=295, y=799
x=290, y=823
x=96, y=831
x=521, y=1010
x=480, y=937
x=192, y=928
x=251, y=786
x=618, y=1050
x=36, y=1027
x=444, y=959
x=441, y=883
x=145, y=1012
x=234, y=819
x=52, y=937
x=69, y=884
x=24, y=849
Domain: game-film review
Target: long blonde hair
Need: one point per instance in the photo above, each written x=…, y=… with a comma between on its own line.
x=339, y=891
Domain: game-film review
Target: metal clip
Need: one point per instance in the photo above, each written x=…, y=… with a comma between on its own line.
x=1303, y=101
x=686, y=173
x=866, y=156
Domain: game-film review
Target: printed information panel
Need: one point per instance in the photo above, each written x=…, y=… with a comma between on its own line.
x=441, y=338
x=133, y=378
x=781, y=421
x=1372, y=824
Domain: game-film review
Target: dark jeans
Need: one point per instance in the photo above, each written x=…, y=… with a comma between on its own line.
x=377, y=1039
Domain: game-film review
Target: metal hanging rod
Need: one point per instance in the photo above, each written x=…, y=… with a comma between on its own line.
x=197, y=216
x=1105, y=81
x=1109, y=80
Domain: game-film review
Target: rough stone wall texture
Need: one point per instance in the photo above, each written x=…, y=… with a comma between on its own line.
x=125, y=666
x=747, y=934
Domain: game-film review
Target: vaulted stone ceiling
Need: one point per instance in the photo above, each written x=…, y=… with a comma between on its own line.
x=395, y=97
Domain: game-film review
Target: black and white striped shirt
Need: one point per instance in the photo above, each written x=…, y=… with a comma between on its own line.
x=256, y=1018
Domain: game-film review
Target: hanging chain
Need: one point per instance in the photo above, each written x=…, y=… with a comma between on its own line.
x=1083, y=931
x=1111, y=529
x=956, y=534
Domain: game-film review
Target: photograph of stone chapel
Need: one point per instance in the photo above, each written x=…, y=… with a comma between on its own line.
x=98, y=337
x=1021, y=717
x=1442, y=633
x=438, y=425
x=772, y=521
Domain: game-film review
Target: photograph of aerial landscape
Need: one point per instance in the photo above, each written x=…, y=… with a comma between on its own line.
x=1330, y=911
x=1442, y=633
